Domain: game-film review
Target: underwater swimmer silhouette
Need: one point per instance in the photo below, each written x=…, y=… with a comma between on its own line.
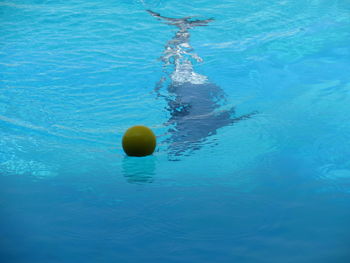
x=195, y=104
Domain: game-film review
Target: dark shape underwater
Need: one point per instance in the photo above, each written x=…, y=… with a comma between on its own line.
x=195, y=104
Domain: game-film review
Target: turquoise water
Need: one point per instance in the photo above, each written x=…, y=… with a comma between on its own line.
x=272, y=187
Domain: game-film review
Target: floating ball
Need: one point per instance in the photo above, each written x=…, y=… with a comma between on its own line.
x=139, y=141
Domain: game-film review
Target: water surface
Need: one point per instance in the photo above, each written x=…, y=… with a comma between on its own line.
x=271, y=188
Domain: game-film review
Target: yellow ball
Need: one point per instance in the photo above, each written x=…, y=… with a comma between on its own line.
x=139, y=141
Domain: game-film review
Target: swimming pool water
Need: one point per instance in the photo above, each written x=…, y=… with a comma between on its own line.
x=270, y=188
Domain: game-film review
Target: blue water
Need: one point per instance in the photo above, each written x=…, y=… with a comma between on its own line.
x=274, y=187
